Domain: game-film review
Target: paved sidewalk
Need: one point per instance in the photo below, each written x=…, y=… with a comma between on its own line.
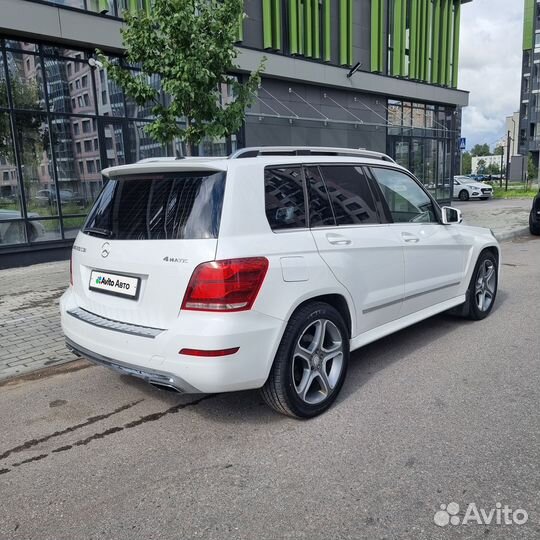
x=507, y=218
x=30, y=335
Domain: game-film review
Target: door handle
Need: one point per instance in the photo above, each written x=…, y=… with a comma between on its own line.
x=338, y=240
x=410, y=238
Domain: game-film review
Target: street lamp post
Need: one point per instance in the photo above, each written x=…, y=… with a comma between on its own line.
x=508, y=158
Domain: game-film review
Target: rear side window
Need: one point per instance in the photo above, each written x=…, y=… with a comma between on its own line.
x=181, y=205
x=350, y=194
x=284, y=198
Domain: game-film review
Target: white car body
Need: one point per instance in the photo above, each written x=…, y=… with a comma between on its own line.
x=387, y=276
x=474, y=189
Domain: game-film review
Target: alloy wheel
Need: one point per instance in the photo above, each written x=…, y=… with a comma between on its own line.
x=485, y=285
x=317, y=361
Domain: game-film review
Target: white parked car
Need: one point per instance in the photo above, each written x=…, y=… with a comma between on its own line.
x=265, y=270
x=466, y=188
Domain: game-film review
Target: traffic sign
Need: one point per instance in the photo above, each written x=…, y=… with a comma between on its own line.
x=462, y=143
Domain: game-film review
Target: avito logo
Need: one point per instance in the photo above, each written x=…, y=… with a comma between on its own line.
x=100, y=280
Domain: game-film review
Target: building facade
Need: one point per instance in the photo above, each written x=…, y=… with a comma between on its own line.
x=529, y=113
x=375, y=74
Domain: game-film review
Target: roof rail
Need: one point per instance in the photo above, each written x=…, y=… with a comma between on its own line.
x=180, y=158
x=307, y=151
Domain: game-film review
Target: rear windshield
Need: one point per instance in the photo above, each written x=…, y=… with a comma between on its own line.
x=180, y=205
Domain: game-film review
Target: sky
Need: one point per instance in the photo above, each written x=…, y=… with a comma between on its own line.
x=490, y=67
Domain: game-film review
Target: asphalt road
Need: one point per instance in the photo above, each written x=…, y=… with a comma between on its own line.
x=445, y=411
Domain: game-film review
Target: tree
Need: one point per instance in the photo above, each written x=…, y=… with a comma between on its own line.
x=532, y=170
x=466, y=163
x=481, y=166
x=493, y=168
x=499, y=151
x=480, y=150
x=190, y=46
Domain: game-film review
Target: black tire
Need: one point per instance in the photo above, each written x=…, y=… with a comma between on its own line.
x=463, y=195
x=534, y=227
x=280, y=390
x=473, y=310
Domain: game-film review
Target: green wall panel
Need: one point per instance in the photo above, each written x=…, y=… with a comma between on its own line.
x=378, y=25
x=528, y=25
x=455, y=54
x=316, y=29
x=272, y=24
x=399, y=36
x=413, y=41
x=327, y=31
x=444, y=41
x=293, y=26
x=436, y=40
x=267, y=23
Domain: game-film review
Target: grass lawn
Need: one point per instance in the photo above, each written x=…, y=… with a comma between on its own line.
x=515, y=191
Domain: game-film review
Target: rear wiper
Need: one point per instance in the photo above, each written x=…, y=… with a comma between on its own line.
x=96, y=230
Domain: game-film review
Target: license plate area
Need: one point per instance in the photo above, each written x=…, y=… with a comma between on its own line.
x=115, y=284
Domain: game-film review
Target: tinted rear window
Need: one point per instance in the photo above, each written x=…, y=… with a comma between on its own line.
x=177, y=205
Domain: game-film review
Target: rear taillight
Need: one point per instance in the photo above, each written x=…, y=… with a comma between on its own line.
x=230, y=285
x=71, y=270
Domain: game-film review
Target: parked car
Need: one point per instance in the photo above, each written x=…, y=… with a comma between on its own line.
x=534, y=217
x=48, y=197
x=12, y=231
x=265, y=270
x=465, y=188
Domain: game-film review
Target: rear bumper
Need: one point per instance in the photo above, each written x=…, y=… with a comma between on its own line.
x=151, y=376
x=156, y=359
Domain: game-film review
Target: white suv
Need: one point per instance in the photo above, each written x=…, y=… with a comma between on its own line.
x=265, y=269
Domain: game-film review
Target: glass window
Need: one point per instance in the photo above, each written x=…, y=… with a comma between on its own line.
x=10, y=204
x=86, y=127
x=12, y=231
x=72, y=225
x=90, y=167
x=32, y=132
x=406, y=200
x=168, y=206
x=320, y=208
x=350, y=194
x=284, y=196
x=44, y=230
x=3, y=85
x=88, y=146
x=26, y=80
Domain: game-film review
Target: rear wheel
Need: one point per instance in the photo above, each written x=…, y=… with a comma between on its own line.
x=311, y=362
x=483, y=287
x=463, y=195
x=534, y=227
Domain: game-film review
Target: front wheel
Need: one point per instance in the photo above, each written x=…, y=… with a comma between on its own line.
x=534, y=227
x=483, y=287
x=463, y=195
x=310, y=364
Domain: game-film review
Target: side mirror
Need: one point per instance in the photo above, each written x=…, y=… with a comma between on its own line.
x=451, y=215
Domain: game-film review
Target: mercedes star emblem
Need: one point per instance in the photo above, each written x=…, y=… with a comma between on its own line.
x=105, y=249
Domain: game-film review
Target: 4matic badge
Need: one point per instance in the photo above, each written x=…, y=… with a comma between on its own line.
x=174, y=260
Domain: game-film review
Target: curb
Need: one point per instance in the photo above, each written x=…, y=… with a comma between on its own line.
x=68, y=366
x=510, y=235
